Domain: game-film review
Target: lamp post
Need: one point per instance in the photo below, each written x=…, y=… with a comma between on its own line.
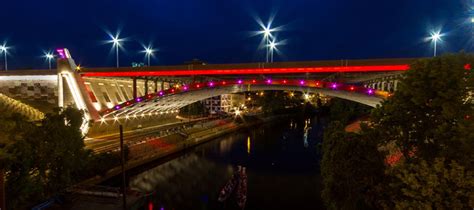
x=435, y=37
x=4, y=49
x=266, y=37
x=148, y=52
x=116, y=43
x=49, y=57
x=272, y=47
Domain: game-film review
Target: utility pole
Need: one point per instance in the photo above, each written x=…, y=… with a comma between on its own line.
x=122, y=162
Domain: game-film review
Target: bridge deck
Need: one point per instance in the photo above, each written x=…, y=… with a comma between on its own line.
x=371, y=65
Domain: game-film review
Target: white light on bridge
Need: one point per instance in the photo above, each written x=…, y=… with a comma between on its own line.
x=30, y=77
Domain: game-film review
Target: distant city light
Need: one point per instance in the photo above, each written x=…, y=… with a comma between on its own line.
x=306, y=96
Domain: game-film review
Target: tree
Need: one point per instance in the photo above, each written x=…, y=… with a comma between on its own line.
x=352, y=169
x=346, y=111
x=441, y=185
x=429, y=119
x=429, y=107
x=45, y=157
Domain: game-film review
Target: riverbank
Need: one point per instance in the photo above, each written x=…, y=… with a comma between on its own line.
x=160, y=148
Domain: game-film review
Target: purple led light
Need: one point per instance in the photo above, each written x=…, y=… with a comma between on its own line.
x=61, y=53
x=239, y=81
x=211, y=84
x=334, y=86
x=370, y=91
x=185, y=87
x=138, y=99
x=161, y=93
x=301, y=82
x=117, y=107
x=269, y=81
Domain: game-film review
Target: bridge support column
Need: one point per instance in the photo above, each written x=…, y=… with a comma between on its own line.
x=395, y=85
x=156, y=85
x=146, y=86
x=390, y=86
x=134, y=88
x=60, y=91
x=162, y=85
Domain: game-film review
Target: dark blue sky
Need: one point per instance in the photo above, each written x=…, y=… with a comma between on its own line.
x=217, y=31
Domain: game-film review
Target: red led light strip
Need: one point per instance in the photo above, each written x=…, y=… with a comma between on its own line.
x=329, y=69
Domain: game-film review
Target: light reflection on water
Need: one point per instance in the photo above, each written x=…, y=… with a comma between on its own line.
x=282, y=170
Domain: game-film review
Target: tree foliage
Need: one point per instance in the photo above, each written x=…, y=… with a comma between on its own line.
x=352, y=169
x=429, y=119
x=429, y=108
x=44, y=158
x=346, y=111
x=437, y=185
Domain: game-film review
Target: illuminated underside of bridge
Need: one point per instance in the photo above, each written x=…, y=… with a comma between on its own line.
x=172, y=99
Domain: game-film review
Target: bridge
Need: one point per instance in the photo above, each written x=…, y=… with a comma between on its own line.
x=151, y=94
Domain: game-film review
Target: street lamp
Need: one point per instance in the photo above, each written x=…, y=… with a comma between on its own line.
x=116, y=43
x=49, y=56
x=272, y=47
x=435, y=37
x=148, y=52
x=4, y=49
x=267, y=34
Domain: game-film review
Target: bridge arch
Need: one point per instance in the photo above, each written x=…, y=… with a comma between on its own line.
x=171, y=100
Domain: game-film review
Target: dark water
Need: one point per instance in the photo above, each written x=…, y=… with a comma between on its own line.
x=282, y=170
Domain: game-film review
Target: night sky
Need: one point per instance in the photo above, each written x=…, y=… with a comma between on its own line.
x=218, y=31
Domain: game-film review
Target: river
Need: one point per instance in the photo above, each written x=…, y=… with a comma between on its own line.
x=282, y=170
